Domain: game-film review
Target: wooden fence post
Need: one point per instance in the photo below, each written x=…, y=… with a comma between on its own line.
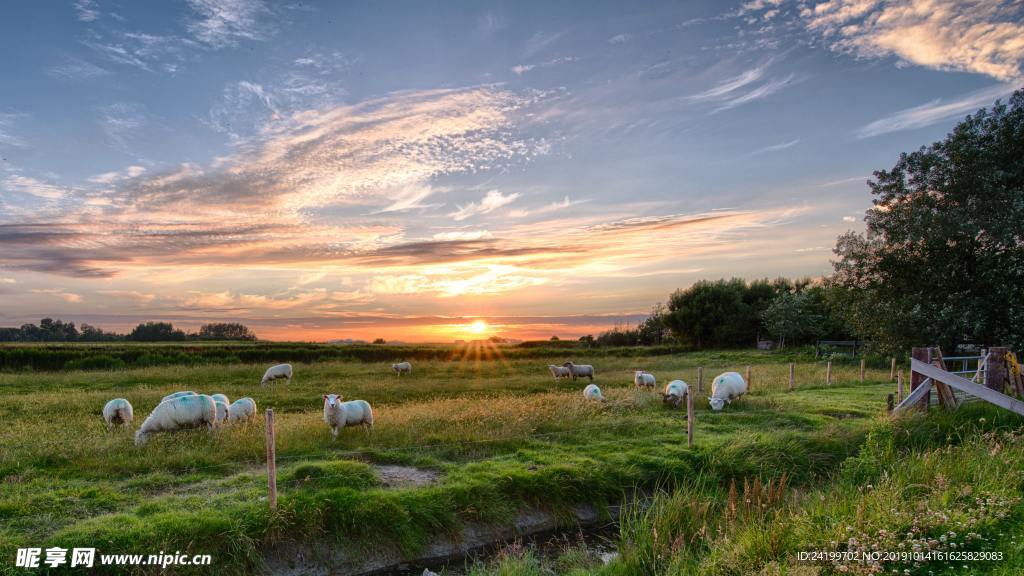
x=995, y=368
x=921, y=355
x=689, y=420
x=700, y=379
x=748, y=378
x=861, y=370
x=271, y=462
x=899, y=385
x=791, y=376
x=828, y=373
x=889, y=404
x=892, y=370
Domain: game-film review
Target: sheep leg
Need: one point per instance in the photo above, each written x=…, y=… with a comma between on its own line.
x=334, y=433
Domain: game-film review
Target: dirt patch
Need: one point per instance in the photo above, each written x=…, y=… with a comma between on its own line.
x=405, y=476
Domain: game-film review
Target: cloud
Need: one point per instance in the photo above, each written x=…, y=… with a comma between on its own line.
x=552, y=207
x=319, y=299
x=108, y=178
x=521, y=69
x=541, y=41
x=619, y=39
x=776, y=147
x=733, y=92
x=7, y=135
x=849, y=219
x=134, y=295
x=69, y=297
x=979, y=36
x=934, y=112
x=76, y=69
x=223, y=23
x=148, y=52
x=491, y=201
x=86, y=10
x=28, y=185
x=121, y=121
x=295, y=193
x=463, y=235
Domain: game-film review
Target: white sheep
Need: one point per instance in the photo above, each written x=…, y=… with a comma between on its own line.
x=725, y=388
x=223, y=411
x=221, y=398
x=174, y=395
x=592, y=392
x=338, y=414
x=118, y=412
x=644, y=379
x=558, y=372
x=242, y=410
x=580, y=370
x=179, y=414
x=277, y=372
x=675, y=392
x=402, y=368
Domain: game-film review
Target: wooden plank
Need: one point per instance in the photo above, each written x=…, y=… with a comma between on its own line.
x=924, y=355
x=915, y=396
x=965, y=385
x=946, y=397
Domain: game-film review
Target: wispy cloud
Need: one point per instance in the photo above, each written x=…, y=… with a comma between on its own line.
x=7, y=133
x=737, y=90
x=409, y=197
x=541, y=41
x=223, y=23
x=620, y=39
x=548, y=209
x=121, y=121
x=521, y=69
x=491, y=201
x=776, y=147
x=86, y=10
x=77, y=69
x=980, y=36
x=934, y=112
x=34, y=187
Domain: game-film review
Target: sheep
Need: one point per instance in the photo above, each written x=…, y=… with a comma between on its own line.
x=338, y=414
x=223, y=411
x=402, y=368
x=178, y=414
x=558, y=372
x=277, y=372
x=725, y=388
x=580, y=370
x=592, y=392
x=174, y=395
x=220, y=397
x=118, y=412
x=675, y=392
x=242, y=410
x=642, y=379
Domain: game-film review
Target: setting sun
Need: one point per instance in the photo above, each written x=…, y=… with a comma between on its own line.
x=478, y=327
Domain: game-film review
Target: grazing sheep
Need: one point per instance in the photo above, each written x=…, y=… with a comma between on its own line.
x=178, y=395
x=725, y=388
x=338, y=414
x=223, y=411
x=580, y=370
x=644, y=379
x=675, y=392
x=179, y=414
x=402, y=368
x=592, y=392
x=277, y=372
x=242, y=410
x=558, y=372
x=220, y=397
x=118, y=412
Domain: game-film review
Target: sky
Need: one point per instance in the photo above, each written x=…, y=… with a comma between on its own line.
x=403, y=169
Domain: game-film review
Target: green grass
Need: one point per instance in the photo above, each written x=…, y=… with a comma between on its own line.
x=500, y=433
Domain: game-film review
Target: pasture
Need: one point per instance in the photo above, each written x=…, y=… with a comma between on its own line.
x=492, y=437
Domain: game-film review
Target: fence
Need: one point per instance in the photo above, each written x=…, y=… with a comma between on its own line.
x=998, y=369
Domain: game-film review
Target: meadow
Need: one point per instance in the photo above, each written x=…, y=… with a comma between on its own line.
x=496, y=435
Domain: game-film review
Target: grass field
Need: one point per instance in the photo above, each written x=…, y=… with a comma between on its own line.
x=500, y=434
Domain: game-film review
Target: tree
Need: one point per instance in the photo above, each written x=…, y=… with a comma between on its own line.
x=156, y=332
x=788, y=316
x=942, y=259
x=225, y=331
x=706, y=313
x=379, y=341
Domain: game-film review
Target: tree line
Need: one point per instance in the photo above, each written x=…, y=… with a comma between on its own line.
x=50, y=330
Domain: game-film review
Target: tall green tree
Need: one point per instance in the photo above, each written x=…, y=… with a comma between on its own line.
x=225, y=331
x=942, y=259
